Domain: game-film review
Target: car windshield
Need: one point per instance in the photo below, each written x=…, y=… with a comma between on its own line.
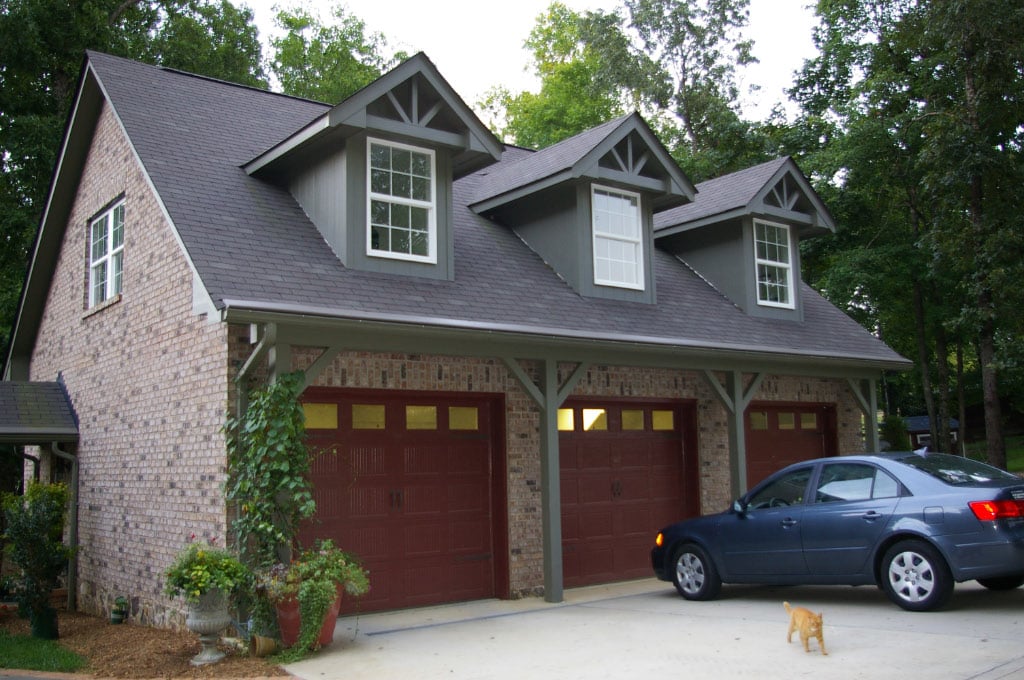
x=956, y=470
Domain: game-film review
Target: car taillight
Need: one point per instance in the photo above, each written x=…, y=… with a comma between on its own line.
x=659, y=540
x=987, y=511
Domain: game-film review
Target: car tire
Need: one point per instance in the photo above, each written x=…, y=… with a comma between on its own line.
x=694, y=574
x=915, y=576
x=1003, y=582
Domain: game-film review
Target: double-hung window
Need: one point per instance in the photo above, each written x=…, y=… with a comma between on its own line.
x=402, y=203
x=773, y=264
x=618, y=238
x=106, y=254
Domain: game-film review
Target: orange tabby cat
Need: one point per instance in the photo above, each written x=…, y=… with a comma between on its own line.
x=807, y=623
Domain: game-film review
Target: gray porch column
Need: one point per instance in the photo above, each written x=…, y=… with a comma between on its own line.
x=736, y=399
x=549, y=396
x=550, y=485
x=867, y=397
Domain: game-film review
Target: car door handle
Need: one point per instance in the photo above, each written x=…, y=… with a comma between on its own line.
x=789, y=522
x=871, y=515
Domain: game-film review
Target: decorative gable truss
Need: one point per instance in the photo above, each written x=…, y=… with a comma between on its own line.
x=788, y=195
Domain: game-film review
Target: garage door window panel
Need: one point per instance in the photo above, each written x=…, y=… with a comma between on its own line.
x=420, y=417
x=368, y=417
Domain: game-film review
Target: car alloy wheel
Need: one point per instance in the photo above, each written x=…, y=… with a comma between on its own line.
x=694, y=574
x=916, y=577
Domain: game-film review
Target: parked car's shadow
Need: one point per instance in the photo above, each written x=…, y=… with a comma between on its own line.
x=966, y=597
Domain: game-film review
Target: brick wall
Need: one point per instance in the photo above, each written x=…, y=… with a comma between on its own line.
x=147, y=379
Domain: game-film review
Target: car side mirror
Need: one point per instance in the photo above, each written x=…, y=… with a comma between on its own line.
x=739, y=507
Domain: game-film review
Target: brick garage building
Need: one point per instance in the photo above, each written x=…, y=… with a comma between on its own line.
x=527, y=361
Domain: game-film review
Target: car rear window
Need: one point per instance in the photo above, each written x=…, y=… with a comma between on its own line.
x=956, y=470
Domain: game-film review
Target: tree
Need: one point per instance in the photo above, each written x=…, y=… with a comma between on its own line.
x=576, y=91
x=699, y=45
x=928, y=98
x=673, y=61
x=42, y=44
x=327, y=61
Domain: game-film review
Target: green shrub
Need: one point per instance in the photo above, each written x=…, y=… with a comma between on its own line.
x=894, y=431
x=35, y=544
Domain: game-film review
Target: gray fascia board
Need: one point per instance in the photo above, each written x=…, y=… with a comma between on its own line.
x=385, y=332
x=83, y=114
x=705, y=221
x=302, y=137
x=520, y=192
x=37, y=435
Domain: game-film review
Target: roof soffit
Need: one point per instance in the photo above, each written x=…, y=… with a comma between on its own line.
x=414, y=101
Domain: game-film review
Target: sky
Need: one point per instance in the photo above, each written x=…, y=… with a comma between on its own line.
x=478, y=44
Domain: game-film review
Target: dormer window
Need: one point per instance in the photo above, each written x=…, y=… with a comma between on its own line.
x=402, y=199
x=618, y=238
x=774, y=265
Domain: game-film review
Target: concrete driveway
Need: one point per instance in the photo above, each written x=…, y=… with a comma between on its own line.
x=643, y=629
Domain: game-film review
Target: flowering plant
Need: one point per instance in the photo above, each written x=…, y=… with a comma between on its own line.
x=324, y=562
x=200, y=568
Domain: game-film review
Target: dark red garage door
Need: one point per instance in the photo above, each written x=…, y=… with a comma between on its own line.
x=627, y=469
x=780, y=434
x=411, y=490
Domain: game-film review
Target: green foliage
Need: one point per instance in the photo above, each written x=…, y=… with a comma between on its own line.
x=894, y=431
x=326, y=61
x=268, y=471
x=32, y=654
x=672, y=61
x=200, y=568
x=35, y=542
x=920, y=104
x=314, y=578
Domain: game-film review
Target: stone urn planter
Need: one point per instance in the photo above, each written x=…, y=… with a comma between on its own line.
x=206, y=618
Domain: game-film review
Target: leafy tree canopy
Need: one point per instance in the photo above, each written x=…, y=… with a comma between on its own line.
x=327, y=61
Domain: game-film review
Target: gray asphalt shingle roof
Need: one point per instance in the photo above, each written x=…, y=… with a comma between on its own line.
x=253, y=245
x=722, y=194
x=35, y=413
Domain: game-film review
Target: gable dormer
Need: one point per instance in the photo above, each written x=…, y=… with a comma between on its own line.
x=743, y=232
x=375, y=172
x=586, y=205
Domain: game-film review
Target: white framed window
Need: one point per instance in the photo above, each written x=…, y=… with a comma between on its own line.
x=106, y=254
x=401, y=203
x=773, y=263
x=618, y=238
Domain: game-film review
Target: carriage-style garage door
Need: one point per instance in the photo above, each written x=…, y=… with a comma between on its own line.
x=627, y=469
x=780, y=434
x=410, y=489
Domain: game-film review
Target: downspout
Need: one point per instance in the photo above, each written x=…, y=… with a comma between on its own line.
x=72, y=526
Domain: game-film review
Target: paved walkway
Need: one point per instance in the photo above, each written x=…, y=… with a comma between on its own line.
x=643, y=629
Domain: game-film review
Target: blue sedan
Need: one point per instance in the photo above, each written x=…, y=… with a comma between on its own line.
x=910, y=523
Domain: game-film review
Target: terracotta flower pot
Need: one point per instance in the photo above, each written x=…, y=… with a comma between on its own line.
x=289, y=621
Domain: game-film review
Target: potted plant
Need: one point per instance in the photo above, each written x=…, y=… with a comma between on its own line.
x=307, y=593
x=206, y=576
x=119, y=612
x=35, y=534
